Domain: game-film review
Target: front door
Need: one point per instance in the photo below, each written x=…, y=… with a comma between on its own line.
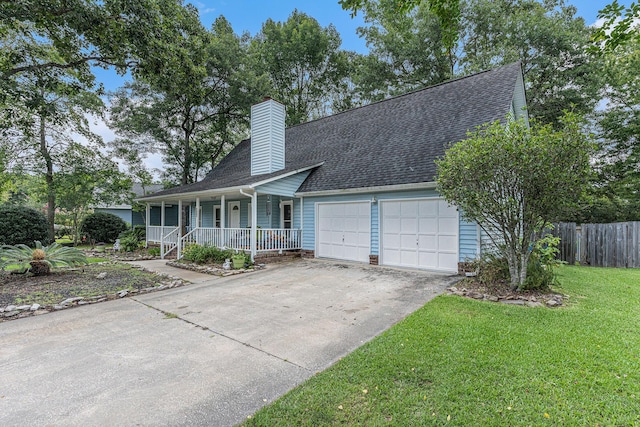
x=234, y=214
x=286, y=215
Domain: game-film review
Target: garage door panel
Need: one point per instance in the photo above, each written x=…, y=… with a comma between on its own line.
x=392, y=225
x=448, y=225
x=408, y=257
x=447, y=243
x=427, y=225
x=446, y=210
x=391, y=241
x=427, y=208
x=408, y=225
x=344, y=231
x=419, y=233
x=428, y=243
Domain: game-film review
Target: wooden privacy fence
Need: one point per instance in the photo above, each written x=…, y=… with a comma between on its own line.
x=600, y=245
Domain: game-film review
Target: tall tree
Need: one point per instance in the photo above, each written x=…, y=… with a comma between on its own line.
x=407, y=51
x=86, y=178
x=549, y=40
x=53, y=106
x=192, y=110
x=447, y=12
x=620, y=128
x=304, y=64
x=127, y=34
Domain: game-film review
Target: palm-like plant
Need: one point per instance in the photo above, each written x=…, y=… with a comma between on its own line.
x=41, y=259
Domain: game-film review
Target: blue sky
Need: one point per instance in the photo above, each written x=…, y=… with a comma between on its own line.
x=249, y=15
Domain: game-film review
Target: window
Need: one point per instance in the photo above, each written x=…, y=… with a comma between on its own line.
x=248, y=214
x=217, y=217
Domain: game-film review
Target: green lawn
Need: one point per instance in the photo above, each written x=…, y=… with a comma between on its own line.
x=469, y=363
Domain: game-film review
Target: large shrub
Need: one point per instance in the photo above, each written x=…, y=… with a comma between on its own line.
x=21, y=225
x=102, y=227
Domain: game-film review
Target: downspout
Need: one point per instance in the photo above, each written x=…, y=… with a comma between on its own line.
x=254, y=221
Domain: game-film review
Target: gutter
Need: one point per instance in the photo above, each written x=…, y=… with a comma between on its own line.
x=376, y=189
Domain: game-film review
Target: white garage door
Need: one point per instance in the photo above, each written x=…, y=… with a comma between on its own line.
x=344, y=231
x=419, y=233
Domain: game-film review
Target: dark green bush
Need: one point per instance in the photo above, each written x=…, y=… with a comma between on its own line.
x=103, y=227
x=202, y=254
x=21, y=225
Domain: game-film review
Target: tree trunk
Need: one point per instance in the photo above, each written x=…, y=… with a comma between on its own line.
x=51, y=193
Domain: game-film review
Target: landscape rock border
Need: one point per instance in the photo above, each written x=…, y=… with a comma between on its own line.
x=165, y=281
x=546, y=300
x=214, y=270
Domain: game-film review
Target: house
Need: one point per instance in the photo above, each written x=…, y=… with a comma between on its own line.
x=357, y=185
x=127, y=214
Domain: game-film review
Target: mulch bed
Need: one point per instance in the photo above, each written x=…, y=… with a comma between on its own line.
x=66, y=288
x=502, y=292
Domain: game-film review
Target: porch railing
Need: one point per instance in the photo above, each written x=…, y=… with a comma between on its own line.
x=279, y=239
x=169, y=242
x=155, y=232
x=267, y=239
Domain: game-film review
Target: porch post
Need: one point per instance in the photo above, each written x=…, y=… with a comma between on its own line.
x=147, y=221
x=162, y=230
x=223, y=210
x=179, y=228
x=197, y=224
x=301, y=220
x=254, y=225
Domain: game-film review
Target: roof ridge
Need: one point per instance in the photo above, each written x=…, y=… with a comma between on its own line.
x=412, y=92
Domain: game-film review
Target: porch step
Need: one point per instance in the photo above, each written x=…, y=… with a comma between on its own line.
x=273, y=257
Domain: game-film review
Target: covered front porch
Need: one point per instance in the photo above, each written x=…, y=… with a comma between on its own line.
x=238, y=219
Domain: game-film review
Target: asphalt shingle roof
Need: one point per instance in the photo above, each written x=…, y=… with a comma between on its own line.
x=390, y=142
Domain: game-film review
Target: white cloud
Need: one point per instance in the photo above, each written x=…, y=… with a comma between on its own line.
x=202, y=8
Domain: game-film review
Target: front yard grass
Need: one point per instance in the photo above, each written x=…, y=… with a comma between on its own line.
x=463, y=362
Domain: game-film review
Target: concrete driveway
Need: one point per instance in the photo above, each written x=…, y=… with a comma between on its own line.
x=210, y=353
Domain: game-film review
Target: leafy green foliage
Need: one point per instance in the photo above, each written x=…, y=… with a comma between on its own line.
x=131, y=240
x=446, y=11
x=203, y=254
x=618, y=28
x=306, y=69
x=154, y=251
x=195, y=109
x=53, y=256
x=22, y=225
x=409, y=50
x=513, y=180
x=103, y=227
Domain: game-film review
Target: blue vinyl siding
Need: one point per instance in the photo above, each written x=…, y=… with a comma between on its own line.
x=468, y=240
x=284, y=187
x=123, y=214
x=467, y=245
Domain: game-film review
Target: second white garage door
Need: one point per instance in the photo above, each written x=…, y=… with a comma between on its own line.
x=344, y=231
x=419, y=233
